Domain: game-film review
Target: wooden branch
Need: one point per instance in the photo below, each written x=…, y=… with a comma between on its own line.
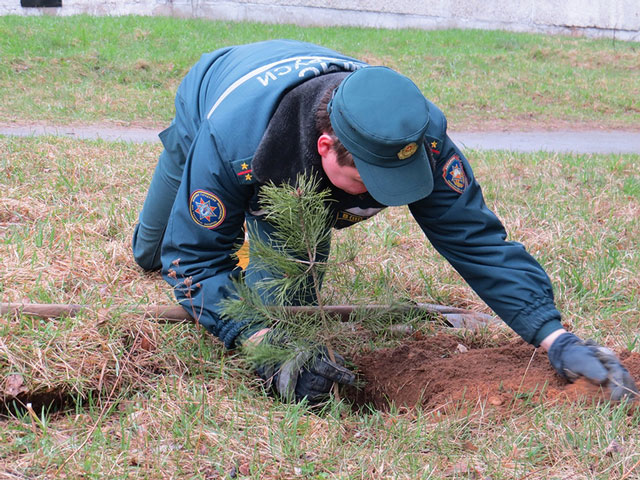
x=455, y=317
x=170, y=313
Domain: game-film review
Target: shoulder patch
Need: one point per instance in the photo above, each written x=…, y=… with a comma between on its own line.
x=243, y=171
x=453, y=174
x=206, y=209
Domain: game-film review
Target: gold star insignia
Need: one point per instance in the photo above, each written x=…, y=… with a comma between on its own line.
x=244, y=166
x=434, y=144
x=247, y=176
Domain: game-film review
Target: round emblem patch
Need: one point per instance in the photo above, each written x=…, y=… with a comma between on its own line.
x=408, y=150
x=206, y=209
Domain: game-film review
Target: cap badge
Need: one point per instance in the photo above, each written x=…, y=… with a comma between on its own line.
x=408, y=150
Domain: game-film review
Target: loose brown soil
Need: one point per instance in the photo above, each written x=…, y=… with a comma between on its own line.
x=439, y=373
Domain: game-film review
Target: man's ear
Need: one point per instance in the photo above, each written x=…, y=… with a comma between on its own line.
x=325, y=144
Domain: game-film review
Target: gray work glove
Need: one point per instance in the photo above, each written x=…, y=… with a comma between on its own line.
x=573, y=358
x=309, y=373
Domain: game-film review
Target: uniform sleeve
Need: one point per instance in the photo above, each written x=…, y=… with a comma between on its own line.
x=461, y=227
x=204, y=229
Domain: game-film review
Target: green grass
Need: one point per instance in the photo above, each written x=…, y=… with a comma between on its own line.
x=150, y=400
x=127, y=69
x=147, y=400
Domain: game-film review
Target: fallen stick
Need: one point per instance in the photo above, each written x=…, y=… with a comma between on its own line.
x=454, y=317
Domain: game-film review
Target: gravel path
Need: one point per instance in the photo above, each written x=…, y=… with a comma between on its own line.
x=589, y=141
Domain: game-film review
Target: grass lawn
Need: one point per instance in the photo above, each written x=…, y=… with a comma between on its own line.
x=126, y=70
x=118, y=396
x=132, y=398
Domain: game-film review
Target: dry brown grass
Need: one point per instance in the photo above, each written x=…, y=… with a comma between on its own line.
x=151, y=400
x=68, y=211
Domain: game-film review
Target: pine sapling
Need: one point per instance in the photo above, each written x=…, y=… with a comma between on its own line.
x=295, y=257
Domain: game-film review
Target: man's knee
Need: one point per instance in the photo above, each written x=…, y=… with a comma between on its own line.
x=146, y=253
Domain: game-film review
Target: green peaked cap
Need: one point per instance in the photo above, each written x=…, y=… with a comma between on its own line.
x=381, y=117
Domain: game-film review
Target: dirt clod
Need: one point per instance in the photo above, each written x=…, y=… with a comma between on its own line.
x=431, y=372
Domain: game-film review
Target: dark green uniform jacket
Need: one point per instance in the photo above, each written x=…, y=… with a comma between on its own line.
x=225, y=105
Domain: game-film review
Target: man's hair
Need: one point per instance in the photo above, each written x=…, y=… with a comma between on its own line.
x=323, y=125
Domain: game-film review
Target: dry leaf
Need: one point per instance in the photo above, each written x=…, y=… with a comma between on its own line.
x=614, y=447
x=469, y=468
x=14, y=385
x=463, y=467
x=146, y=344
x=468, y=445
x=244, y=469
x=103, y=316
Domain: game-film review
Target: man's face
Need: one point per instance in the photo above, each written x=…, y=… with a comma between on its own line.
x=345, y=178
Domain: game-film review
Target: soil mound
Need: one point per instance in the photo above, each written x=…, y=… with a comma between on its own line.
x=439, y=372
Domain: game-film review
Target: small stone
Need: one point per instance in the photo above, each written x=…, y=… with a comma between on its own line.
x=400, y=330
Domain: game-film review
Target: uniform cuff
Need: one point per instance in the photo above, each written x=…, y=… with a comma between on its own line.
x=544, y=331
x=245, y=333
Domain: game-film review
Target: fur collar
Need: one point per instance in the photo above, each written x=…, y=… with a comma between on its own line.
x=289, y=144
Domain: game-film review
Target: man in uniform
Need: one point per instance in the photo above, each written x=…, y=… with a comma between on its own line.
x=265, y=112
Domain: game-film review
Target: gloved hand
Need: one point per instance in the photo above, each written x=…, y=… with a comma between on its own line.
x=309, y=374
x=573, y=358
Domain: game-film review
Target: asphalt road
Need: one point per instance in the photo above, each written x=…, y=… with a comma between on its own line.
x=589, y=141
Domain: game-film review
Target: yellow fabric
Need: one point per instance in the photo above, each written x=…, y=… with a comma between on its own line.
x=243, y=255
